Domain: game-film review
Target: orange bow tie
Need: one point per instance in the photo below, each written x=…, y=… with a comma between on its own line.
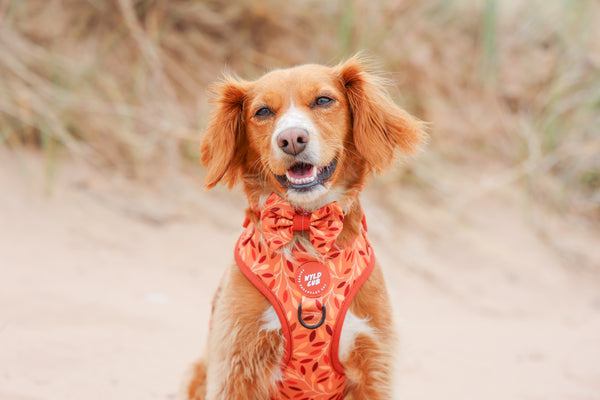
x=279, y=221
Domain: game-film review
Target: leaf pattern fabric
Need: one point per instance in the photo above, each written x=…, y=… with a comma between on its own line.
x=279, y=221
x=310, y=366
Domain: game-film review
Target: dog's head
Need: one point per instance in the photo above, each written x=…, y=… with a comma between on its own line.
x=310, y=133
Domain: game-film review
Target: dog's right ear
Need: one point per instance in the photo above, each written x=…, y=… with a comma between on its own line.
x=222, y=147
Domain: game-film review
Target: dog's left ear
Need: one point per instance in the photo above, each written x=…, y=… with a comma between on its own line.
x=380, y=127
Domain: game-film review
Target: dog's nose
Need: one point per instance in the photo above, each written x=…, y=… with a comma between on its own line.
x=293, y=141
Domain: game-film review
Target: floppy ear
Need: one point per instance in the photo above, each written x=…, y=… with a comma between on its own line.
x=380, y=127
x=222, y=147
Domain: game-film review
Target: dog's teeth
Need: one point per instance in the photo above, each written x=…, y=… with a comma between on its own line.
x=314, y=173
x=301, y=181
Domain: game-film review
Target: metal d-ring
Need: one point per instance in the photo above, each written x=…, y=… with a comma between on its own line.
x=323, y=312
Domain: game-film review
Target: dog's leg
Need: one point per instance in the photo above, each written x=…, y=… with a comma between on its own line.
x=196, y=389
x=369, y=363
x=368, y=370
x=242, y=359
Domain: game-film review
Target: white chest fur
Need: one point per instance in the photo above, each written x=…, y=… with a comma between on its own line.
x=353, y=326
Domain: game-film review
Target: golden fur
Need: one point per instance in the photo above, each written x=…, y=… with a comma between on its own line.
x=362, y=128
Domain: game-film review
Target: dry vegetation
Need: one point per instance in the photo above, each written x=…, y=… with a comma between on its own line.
x=122, y=83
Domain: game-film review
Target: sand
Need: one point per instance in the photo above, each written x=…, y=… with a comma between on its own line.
x=105, y=286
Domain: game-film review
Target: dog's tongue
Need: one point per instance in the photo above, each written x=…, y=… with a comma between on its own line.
x=300, y=171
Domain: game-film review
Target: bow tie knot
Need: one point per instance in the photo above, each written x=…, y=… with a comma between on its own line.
x=301, y=222
x=279, y=222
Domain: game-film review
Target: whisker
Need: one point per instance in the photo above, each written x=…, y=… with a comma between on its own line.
x=350, y=151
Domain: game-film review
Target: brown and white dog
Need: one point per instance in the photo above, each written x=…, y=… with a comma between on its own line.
x=311, y=134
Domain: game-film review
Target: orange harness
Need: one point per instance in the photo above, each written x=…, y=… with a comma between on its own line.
x=310, y=295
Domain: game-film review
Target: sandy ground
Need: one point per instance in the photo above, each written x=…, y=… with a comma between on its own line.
x=105, y=287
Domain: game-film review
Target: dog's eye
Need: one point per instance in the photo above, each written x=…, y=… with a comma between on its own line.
x=263, y=112
x=323, y=101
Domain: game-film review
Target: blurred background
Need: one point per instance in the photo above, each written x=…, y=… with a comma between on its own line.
x=110, y=250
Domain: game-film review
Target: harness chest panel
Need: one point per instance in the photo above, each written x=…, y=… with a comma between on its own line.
x=311, y=297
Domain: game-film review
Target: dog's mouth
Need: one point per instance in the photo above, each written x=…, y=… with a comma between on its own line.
x=305, y=176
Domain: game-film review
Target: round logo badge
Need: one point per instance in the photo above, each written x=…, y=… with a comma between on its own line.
x=312, y=279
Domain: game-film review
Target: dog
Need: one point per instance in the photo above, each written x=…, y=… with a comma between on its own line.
x=304, y=312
